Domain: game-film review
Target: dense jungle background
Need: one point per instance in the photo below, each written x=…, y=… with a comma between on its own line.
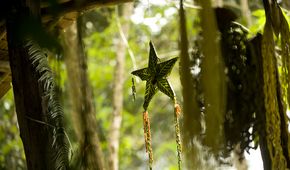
x=231, y=81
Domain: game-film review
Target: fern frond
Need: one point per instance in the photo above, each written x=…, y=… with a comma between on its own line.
x=59, y=148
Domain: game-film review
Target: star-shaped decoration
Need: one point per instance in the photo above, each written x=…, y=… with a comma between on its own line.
x=155, y=76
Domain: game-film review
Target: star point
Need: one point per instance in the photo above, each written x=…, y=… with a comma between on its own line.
x=155, y=76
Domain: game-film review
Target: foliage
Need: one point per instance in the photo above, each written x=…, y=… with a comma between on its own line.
x=11, y=148
x=59, y=153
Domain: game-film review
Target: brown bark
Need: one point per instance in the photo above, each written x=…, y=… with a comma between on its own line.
x=27, y=90
x=83, y=113
x=78, y=5
x=118, y=85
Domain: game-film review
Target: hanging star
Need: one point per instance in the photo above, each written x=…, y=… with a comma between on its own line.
x=155, y=76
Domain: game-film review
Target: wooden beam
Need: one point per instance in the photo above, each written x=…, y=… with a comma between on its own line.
x=2, y=31
x=78, y=6
x=4, y=77
x=4, y=66
x=5, y=84
x=46, y=4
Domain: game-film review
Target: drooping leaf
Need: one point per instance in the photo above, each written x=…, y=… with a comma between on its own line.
x=276, y=116
x=285, y=46
x=273, y=119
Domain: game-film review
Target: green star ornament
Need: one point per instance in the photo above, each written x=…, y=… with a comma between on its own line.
x=155, y=76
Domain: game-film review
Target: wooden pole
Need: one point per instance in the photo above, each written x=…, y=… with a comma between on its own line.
x=27, y=90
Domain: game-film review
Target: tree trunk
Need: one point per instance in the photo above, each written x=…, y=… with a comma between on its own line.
x=83, y=113
x=27, y=90
x=118, y=85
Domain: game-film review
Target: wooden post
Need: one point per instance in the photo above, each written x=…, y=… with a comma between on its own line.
x=26, y=88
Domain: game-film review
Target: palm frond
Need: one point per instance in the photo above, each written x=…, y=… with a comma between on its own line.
x=59, y=148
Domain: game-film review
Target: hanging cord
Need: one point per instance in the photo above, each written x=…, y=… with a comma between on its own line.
x=147, y=137
x=133, y=89
x=177, y=113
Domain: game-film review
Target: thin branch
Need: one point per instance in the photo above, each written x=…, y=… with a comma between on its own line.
x=40, y=122
x=125, y=39
x=51, y=126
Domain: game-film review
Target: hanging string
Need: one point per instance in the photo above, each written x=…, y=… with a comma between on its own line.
x=177, y=113
x=147, y=137
x=133, y=89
